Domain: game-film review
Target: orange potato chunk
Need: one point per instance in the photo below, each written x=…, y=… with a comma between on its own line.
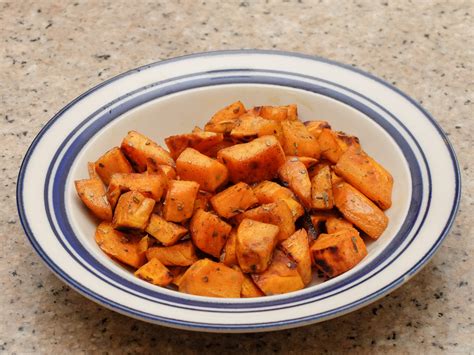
x=202, y=200
x=298, y=141
x=293, y=172
x=93, y=195
x=91, y=171
x=155, y=272
x=316, y=127
x=277, y=113
x=336, y=224
x=133, y=210
x=167, y=233
x=249, y=289
x=178, y=273
x=208, y=278
x=249, y=127
x=334, y=144
x=297, y=248
x=224, y=120
x=209, y=233
x=111, y=163
x=321, y=190
x=179, y=201
x=201, y=141
x=229, y=253
x=255, y=244
x=233, y=200
x=181, y=254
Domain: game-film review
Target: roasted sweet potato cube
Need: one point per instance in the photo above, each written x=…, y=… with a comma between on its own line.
x=249, y=289
x=111, y=163
x=208, y=278
x=297, y=248
x=269, y=191
x=255, y=244
x=359, y=210
x=202, y=200
x=249, y=127
x=234, y=200
x=339, y=252
x=298, y=141
x=155, y=272
x=209, y=233
x=282, y=276
x=133, y=210
x=93, y=195
x=91, y=170
x=212, y=151
x=140, y=149
x=336, y=224
x=126, y=248
x=209, y=173
x=167, y=233
x=277, y=113
x=334, y=144
x=277, y=213
x=316, y=127
x=181, y=254
x=293, y=172
x=254, y=161
x=178, y=273
x=308, y=162
x=224, y=120
x=201, y=141
x=321, y=190
x=319, y=217
x=179, y=201
x=366, y=175
x=151, y=186
x=153, y=168
x=229, y=253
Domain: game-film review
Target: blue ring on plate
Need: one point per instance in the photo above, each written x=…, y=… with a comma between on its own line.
x=84, y=290
x=107, y=117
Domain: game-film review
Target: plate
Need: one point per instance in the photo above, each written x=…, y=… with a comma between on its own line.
x=173, y=96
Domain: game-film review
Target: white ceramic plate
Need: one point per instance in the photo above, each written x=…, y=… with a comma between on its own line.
x=173, y=96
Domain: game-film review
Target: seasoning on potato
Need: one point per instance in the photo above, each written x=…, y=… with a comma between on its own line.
x=255, y=204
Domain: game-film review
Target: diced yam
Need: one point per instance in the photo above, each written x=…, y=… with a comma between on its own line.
x=249, y=127
x=93, y=195
x=181, y=254
x=339, y=252
x=133, y=210
x=297, y=248
x=111, y=163
x=277, y=213
x=234, y=200
x=209, y=232
x=208, y=278
x=155, y=272
x=229, y=253
x=316, y=127
x=366, y=175
x=298, y=141
x=167, y=233
x=91, y=170
x=319, y=217
x=212, y=151
x=336, y=224
x=140, y=149
x=321, y=190
x=153, y=168
x=179, y=201
x=282, y=276
x=277, y=113
x=255, y=244
x=202, y=200
x=249, y=289
x=254, y=161
x=151, y=186
x=293, y=172
x=269, y=191
x=178, y=273
x=359, y=210
x=126, y=248
x=334, y=144
x=210, y=174
x=224, y=120
x=201, y=141
x=308, y=162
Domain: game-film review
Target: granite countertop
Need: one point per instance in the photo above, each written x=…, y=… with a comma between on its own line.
x=52, y=51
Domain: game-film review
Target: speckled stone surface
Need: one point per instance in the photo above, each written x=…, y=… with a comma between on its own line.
x=52, y=51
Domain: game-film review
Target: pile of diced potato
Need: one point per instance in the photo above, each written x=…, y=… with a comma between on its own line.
x=250, y=206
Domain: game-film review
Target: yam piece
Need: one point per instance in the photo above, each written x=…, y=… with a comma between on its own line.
x=308, y=162
x=155, y=272
x=126, y=248
x=91, y=171
x=93, y=195
x=224, y=120
x=277, y=213
x=298, y=141
x=321, y=190
x=209, y=233
x=359, y=210
x=210, y=174
x=366, y=175
x=133, y=210
x=249, y=127
x=277, y=113
x=249, y=289
x=212, y=151
x=151, y=186
x=208, y=278
x=202, y=200
x=337, y=224
x=281, y=276
x=255, y=161
x=293, y=172
x=339, y=252
x=255, y=244
x=181, y=254
x=112, y=162
x=201, y=141
x=178, y=273
x=140, y=149
x=229, y=253
x=153, y=168
x=234, y=200
x=334, y=144
x=316, y=127
x=179, y=201
x=297, y=248
x=269, y=191
x=167, y=233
